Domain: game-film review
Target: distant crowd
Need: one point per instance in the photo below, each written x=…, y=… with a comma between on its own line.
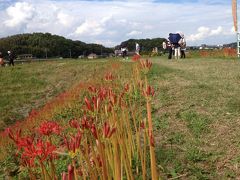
x=11, y=58
x=175, y=45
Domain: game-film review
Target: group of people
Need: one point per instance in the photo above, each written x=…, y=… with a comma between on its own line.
x=124, y=50
x=176, y=45
x=10, y=59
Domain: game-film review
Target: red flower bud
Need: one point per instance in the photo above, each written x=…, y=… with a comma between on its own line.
x=70, y=172
x=94, y=131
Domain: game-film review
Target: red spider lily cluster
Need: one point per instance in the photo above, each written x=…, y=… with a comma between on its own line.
x=146, y=64
x=225, y=52
x=32, y=148
x=136, y=57
x=48, y=128
x=149, y=91
x=109, y=77
x=102, y=141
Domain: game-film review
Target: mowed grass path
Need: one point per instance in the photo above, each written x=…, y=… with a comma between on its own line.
x=197, y=117
x=196, y=108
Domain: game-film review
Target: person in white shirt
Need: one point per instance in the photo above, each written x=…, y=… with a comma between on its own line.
x=137, y=51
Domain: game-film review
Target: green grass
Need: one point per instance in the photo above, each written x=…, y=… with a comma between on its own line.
x=201, y=98
x=30, y=86
x=196, y=109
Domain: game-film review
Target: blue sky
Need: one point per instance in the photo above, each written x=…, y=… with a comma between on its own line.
x=110, y=22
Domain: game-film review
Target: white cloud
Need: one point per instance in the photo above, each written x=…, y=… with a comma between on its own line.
x=20, y=13
x=205, y=32
x=92, y=27
x=202, y=32
x=217, y=31
x=65, y=19
x=134, y=33
x=112, y=22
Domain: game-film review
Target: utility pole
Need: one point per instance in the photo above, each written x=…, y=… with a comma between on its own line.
x=46, y=55
x=235, y=22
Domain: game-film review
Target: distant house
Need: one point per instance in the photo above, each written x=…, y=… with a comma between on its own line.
x=118, y=53
x=92, y=56
x=25, y=56
x=111, y=55
x=81, y=57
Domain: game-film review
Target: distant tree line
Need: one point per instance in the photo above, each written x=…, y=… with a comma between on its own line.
x=42, y=45
x=146, y=45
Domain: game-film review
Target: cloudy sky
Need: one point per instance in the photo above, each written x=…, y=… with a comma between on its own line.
x=110, y=22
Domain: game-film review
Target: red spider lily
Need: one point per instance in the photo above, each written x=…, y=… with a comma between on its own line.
x=112, y=98
x=24, y=142
x=92, y=89
x=31, y=151
x=94, y=131
x=26, y=161
x=152, y=143
x=109, y=77
x=64, y=176
x=136, y=58
x=96, y=102
x=146, y=64
x=102, y=93
x=88, y=104
x=48, y=128
x=86, y=122
x=126, y=87
x=21, y=142
x=70, y=172
x=74, y=142
x=107, y=131
x=99, y=161
x=149, y=91
x=13, y=136
x=74, y=124
x=142, y=125
x=45, y=150
x=33, y=114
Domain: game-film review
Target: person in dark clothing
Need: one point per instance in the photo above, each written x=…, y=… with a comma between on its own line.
x=10, y=58
x=183, y=55
x=124, y=52
x=170, y=50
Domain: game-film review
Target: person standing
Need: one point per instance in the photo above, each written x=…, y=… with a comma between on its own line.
x=183, y=45
x=137, y=51
x=177, y=51
x=11, y=58
x=170, y=49
x=124, y=52
x=164, y=46
x=1, y=60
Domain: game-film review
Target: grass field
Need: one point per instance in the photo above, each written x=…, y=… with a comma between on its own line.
x=196, y=108
x=29, y=86
x=197, y=117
